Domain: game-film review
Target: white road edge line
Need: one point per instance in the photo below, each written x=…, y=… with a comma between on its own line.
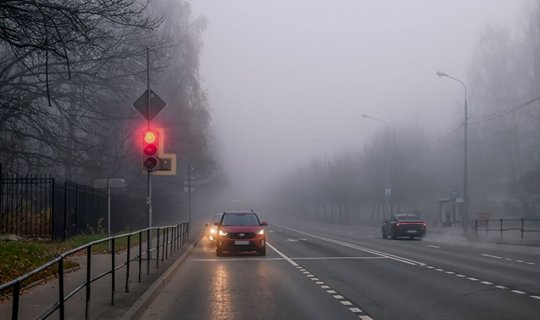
x=289, y=260
x=353, y=246
x=490, y=256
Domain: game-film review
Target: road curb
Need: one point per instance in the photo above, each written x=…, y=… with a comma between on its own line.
x=136, y=310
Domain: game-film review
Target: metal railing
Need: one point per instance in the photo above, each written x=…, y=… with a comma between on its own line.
x=501, y=226
x=169, y=239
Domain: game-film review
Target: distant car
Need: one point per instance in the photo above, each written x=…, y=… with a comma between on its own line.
x=241, y=231
x=212, y=228
x=404, y=225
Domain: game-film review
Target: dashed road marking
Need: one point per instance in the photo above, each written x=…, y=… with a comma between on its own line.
x=432, y=246
x=490, y=256
x=509, y=259
x=354, y=309
x=488, y=283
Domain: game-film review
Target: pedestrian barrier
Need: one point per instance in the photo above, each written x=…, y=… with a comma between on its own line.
x=168, y=239
x=501, y=226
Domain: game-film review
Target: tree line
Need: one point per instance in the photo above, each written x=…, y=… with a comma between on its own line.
x=69, y=74
x=503, y=85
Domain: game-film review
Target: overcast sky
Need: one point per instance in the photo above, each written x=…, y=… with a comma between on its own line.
x=288, y=80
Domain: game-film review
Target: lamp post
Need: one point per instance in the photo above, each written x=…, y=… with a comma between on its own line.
x=387, y=189
x=465, y=151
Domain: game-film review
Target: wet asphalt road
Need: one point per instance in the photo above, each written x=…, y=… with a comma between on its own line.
x=319, y=271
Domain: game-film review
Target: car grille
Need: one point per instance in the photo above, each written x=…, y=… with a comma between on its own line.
x=241, y=235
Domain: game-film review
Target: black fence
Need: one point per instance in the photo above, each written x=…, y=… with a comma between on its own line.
x=37, y=206
x=167, y=239
x=511, y=229
x=27, y=205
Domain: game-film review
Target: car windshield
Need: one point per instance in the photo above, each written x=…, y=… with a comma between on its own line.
x=240, y=219
x=408, y=217
x=216, y=218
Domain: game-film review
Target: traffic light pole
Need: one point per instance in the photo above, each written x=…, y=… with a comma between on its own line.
x=149, y=173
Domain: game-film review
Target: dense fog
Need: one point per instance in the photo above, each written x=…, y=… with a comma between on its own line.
x=288, y=83
x=332, y=109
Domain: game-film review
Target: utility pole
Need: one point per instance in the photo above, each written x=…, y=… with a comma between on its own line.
x=148, y=172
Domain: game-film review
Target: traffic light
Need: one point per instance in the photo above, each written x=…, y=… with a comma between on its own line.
x=151, y=150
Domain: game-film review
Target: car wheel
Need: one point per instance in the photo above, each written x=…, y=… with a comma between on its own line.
x=262, y=251
x=382, y=233
x=219, y=252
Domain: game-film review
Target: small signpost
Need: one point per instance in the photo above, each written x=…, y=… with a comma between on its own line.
x=109, y=183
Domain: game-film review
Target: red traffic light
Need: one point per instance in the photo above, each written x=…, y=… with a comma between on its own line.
x=150, y=136
x=150, y=150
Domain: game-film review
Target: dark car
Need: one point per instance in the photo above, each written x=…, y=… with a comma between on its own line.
x=212, y=228
x=241, y=231
x=404, y=225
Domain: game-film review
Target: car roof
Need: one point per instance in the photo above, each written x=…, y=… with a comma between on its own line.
x=239, y=212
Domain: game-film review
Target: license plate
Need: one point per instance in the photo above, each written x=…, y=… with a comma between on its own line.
x=241, y=242
x=412, y=231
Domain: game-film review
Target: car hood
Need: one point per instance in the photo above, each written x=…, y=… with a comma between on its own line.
x=241, y=228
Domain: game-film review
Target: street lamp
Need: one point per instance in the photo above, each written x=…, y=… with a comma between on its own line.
x=465, y=163
x=387, y=189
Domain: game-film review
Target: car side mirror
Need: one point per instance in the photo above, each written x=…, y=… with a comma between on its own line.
x=264, y=223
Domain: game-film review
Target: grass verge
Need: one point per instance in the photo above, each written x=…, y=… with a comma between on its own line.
x=20, y=257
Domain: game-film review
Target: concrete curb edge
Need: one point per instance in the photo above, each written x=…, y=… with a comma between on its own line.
x=136, y=310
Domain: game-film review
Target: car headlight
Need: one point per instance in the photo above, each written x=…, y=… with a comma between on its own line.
x=222, y=233
x=261, y=232
x=213, y=231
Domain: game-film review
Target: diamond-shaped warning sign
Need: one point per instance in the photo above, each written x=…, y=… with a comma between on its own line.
x=156, y=104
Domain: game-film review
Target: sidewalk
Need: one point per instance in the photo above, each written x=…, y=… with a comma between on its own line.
x=39, y=299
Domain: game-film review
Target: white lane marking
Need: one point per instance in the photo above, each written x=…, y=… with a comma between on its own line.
x=353, y=246
x=509, y=259
x=490, y=256
x=365, y=317
x=450, y=272
x=337, y=258
x=432, y=246
x=490, y=284
x=315, y=279
x=438, y=269
x=289, y=260
x=320, y=283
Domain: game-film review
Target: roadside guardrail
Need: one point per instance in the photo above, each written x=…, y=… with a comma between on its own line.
x=168, y=239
